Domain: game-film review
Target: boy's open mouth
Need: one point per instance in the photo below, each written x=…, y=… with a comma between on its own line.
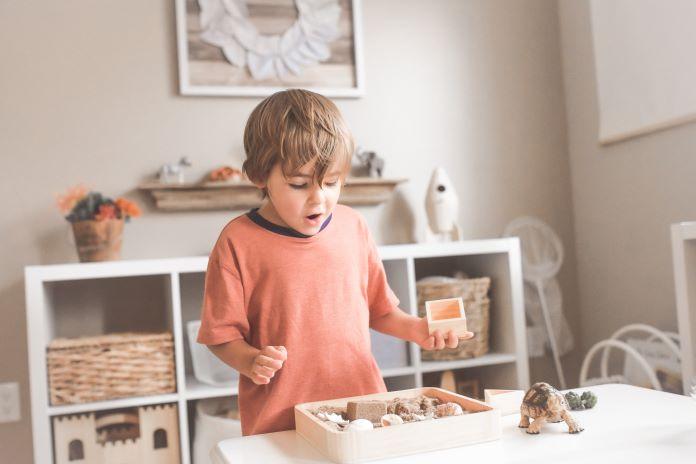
x=313, y=216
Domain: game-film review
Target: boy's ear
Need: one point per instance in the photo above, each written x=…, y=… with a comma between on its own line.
x=260, y=184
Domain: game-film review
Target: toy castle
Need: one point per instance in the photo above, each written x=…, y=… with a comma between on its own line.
x=144, y=434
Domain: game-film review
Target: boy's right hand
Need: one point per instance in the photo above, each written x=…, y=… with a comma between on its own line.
x=266, y=363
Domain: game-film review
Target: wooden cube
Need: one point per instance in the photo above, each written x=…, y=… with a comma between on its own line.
x=370, y=410
x=445, y=315
x=507, y=401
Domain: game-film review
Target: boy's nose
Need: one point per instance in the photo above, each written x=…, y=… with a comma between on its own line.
x=316, y=195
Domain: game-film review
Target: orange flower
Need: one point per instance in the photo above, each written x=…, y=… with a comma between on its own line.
x=127, y=208
x=105, y=212
x=68, y=201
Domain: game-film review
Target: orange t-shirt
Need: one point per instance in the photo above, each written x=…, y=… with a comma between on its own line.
x=314, y=295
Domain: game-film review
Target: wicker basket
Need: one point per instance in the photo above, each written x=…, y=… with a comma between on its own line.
x=474, y=293
x=111, y=366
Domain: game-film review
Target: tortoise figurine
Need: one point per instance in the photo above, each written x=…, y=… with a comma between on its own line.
x=543, y=403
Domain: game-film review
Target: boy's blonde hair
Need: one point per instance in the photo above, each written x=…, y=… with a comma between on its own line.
x=294, y=127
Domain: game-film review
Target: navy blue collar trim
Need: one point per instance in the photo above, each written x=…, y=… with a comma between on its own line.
x=268, y=225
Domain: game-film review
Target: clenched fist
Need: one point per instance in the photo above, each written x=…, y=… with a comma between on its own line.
x=264, y=366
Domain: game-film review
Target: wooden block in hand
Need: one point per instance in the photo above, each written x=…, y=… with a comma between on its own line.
x=445, y=315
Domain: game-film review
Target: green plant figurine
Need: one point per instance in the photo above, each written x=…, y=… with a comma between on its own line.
x=587, y=400
x=574, y=401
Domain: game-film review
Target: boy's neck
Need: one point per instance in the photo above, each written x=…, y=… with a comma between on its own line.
x=269, y=213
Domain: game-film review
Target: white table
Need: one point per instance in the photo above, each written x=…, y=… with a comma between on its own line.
x=628, y=425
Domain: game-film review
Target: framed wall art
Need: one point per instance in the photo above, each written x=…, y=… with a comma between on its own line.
x=258, y=47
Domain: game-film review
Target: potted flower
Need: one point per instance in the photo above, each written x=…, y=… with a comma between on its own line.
x=97, y=222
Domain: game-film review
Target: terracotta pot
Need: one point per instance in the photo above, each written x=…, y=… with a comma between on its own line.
x=98, y=240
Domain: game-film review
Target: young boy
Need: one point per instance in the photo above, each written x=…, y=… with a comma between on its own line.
x=293, y=287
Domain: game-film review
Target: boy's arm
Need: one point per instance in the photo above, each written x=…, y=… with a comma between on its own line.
x=259, y=365
x=413, y=329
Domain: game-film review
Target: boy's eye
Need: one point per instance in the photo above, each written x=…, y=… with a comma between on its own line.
x=332, y=184
x=298, y=186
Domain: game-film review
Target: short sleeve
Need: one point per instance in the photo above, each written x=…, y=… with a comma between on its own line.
x=223, y=315
x=381, y=298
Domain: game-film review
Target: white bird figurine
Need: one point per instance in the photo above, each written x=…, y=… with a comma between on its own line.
x=442, y=207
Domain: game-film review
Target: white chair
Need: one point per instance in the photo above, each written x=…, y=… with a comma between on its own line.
x=670, y=339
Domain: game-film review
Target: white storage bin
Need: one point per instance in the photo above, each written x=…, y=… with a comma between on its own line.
x=207, y=368
x=388, y=351
x=212, y=426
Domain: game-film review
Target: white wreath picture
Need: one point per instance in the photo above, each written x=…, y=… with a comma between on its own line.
x=288, y=59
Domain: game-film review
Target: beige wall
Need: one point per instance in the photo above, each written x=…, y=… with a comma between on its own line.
x=625, y=197
x=88, y=93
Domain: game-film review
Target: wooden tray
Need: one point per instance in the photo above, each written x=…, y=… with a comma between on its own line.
x=399, y=440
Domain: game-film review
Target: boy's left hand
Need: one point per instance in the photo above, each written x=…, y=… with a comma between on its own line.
x=436, y=341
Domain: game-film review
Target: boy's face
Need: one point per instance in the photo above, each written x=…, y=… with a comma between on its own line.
x=297, y=201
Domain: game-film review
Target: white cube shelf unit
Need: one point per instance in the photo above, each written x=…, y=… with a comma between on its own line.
x=71, y=300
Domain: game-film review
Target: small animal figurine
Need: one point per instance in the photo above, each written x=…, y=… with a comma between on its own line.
x=543, y=403
x=173, y=173
x=369, y=162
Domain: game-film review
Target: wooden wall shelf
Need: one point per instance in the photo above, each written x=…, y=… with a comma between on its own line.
x=358, y=191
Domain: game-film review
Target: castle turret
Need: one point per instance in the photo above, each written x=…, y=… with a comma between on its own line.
x=159, y=434
x=75, y=439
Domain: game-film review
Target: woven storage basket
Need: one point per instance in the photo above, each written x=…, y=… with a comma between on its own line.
x=474, y=293
x=83, y=370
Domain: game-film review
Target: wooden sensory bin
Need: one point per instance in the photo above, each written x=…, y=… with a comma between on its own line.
x=163, y=295
x=480, y=424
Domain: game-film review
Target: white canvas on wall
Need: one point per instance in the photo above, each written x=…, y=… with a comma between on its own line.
x=644, y=63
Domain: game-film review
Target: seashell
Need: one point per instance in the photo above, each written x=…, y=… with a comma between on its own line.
x=336, y=419
x=360, y=424
x=429, y=403
x=449, y=409
x=406, y=408
x=391, y=419
x=333, y=426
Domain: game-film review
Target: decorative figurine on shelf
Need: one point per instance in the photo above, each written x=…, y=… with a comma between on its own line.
x=369, y=164
x=173, y=173
x=442, y=208
x=225, y=173
x=544, y=403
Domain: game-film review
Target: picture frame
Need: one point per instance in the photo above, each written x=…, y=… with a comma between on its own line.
x=221, y=52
